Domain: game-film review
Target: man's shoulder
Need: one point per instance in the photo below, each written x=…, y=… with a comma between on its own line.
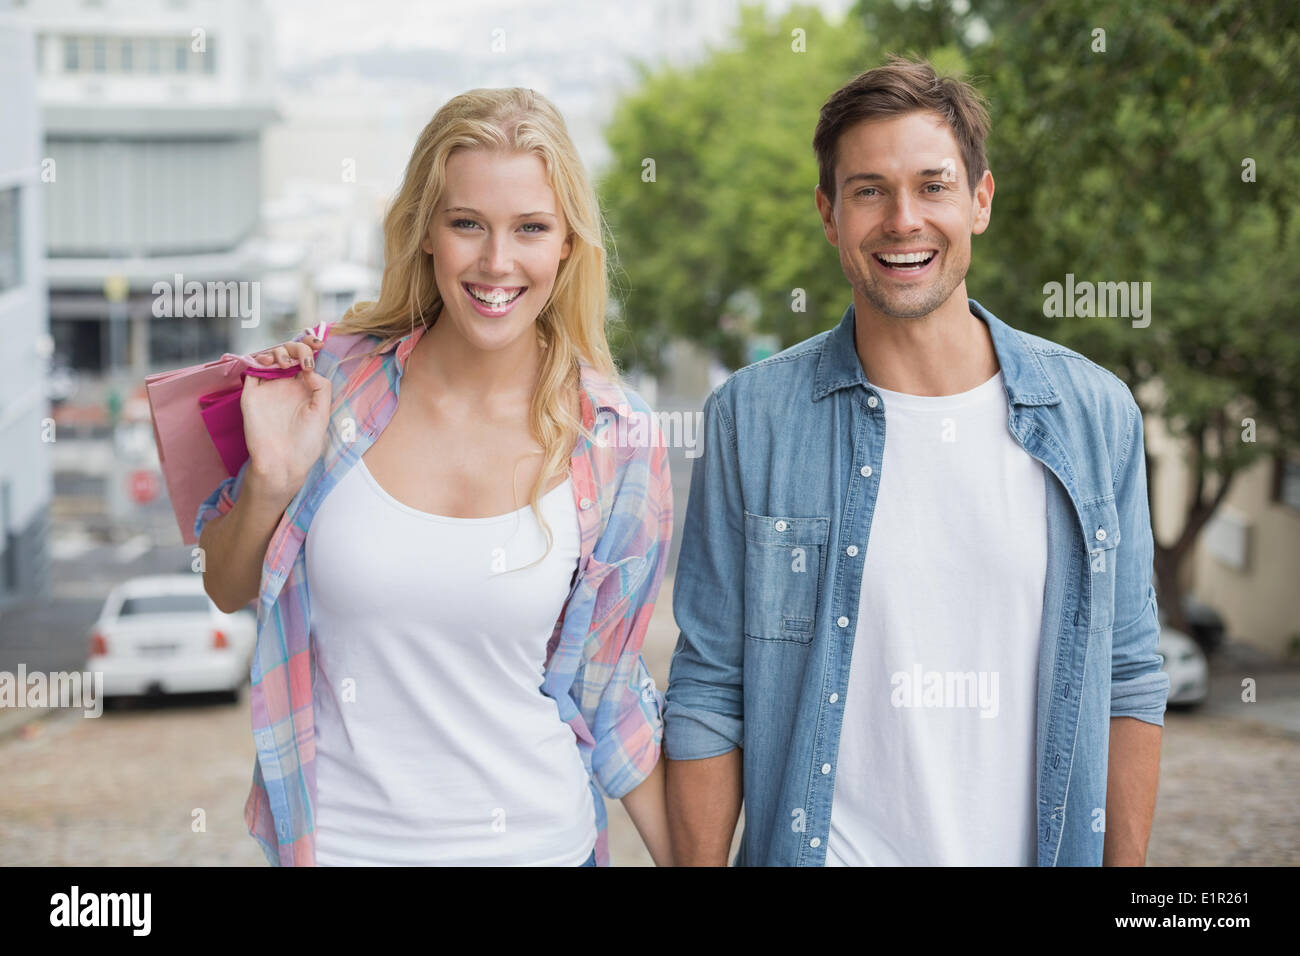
x=777, y=374
x=1096, y=406
x=1073, y=374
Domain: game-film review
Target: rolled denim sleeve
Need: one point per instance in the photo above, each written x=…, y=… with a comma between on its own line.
x=221, y=500
x=705, y=697
x=1139, y=687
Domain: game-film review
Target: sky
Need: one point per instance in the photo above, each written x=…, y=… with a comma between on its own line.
x=310, y=29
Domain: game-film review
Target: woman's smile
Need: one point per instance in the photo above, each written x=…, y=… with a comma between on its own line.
x=493, y=300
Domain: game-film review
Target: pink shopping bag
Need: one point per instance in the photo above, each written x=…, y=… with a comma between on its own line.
x=198, y=427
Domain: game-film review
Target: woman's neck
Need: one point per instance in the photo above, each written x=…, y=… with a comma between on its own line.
x=450, y=365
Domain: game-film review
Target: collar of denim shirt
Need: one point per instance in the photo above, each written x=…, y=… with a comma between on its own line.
x=1023, y=376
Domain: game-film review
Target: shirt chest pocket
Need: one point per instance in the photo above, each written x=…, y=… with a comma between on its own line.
x=785, y=560
x=1101, y=538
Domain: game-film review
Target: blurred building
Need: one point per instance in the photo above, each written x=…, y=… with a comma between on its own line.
x=153, y=114
x=25, y=428
x=1244, y=563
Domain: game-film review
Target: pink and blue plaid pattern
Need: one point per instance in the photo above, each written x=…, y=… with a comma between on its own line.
x=594, y=670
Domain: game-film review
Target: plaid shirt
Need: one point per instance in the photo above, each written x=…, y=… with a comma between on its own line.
x=594, y=669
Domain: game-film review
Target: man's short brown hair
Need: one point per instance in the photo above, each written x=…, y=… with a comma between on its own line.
x=903, y=86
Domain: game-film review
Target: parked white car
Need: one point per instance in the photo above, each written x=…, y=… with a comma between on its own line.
x=161, y=634
x=1187, y=667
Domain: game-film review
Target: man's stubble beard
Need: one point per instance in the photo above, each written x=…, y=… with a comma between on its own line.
x=905, y=305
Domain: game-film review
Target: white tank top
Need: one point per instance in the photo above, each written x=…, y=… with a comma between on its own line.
x=434, y=742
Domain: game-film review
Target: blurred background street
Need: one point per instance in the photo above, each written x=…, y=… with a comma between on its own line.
x=150, y=144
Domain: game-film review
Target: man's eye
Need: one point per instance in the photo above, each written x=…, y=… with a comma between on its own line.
x=866, y=189
x=940, y=186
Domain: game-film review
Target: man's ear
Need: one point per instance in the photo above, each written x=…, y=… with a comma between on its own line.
x=826, y=209
x=983, y=200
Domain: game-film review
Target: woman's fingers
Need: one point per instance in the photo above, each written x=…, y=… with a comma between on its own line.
x=303, y=353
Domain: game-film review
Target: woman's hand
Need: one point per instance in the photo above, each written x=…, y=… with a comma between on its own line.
x=285, y=419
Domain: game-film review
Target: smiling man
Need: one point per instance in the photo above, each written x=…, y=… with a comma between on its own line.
x=917, y=625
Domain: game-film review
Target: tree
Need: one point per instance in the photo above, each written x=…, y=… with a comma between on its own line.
x=1157, y=144
x=1161, y=150
x=730, y=209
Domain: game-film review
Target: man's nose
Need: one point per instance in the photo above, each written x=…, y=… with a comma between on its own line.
x=904, y=215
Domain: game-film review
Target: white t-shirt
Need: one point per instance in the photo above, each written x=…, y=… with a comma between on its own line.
x=434, y=742
x=937, y=752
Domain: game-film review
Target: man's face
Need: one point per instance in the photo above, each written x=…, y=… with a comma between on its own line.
x=902, y=195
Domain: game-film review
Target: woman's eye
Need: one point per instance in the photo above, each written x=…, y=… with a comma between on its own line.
x=541, y=227
x=462, y=223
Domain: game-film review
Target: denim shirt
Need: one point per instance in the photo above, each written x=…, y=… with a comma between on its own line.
x=793, y=448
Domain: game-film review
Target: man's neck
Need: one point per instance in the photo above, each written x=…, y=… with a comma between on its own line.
x=944, y=353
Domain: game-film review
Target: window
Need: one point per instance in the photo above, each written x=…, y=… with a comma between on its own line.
x=72, y=54
x=164, y=604
x=11, y=253
x=126, y=55
x=153, y=55
x=181, y=64
x=210, y=57
x=99, y=54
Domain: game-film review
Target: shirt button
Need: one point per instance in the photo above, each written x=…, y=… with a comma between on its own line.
x=815, y=842
x=584, y=503
x=872, y=401
x=851, y=551
x=834, y=697
x=781, y=526
x=843, y=621
x=865, y=471
x=826, y=768
x=1101, y=534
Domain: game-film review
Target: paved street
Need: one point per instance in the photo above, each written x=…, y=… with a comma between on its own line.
x=123, y=788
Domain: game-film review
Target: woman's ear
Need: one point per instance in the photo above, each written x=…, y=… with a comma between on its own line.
x=568, y=246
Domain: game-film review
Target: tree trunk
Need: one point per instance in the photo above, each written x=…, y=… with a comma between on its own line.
x=1169, y=590
x=1168, y=561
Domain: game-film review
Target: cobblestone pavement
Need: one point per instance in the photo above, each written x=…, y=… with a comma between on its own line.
x=122, y=789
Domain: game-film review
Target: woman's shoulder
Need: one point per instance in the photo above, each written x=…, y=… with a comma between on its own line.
x=611, y=393
x=629, y=433
x=342, y=355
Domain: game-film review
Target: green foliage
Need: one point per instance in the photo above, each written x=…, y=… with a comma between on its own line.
x=1122, y=165
x=731, y=207
x=1126, y=165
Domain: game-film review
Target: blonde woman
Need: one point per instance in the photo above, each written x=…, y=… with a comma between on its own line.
x=454, y=545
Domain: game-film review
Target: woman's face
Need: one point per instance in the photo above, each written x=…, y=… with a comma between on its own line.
x=497, y=238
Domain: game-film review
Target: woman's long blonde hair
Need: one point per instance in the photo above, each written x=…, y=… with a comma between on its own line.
x=572, y=323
